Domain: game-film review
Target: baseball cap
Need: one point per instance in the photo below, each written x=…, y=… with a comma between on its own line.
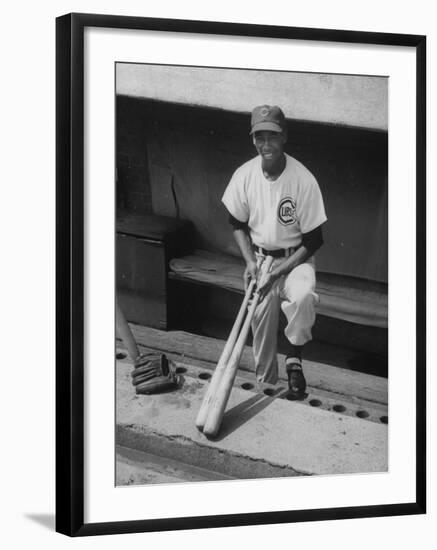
x=267, y=117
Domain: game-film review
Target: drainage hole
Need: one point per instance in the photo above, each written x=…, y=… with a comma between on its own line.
x=180, y=370
x=362, y=414
x=247, y=386
x=269, y=391
x=205, y=375
x=315, y=403
x=384, y=419
x=339, y=408
x=120, y=355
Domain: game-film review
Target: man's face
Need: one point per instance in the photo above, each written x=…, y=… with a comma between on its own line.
x=270, y=145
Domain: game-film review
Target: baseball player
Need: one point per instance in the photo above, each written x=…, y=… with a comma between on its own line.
x=276, y=208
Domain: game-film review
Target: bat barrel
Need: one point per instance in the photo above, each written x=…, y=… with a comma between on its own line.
x=224, y=358
x=218, y=403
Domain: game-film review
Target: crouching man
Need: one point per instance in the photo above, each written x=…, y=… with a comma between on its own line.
x=276, y=208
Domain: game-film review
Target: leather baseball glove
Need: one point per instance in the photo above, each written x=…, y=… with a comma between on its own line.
x=154, y=373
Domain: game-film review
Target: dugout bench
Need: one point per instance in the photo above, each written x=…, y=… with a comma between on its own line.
x=163, y=282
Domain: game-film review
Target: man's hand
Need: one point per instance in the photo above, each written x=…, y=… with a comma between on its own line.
x=265, y=287
x=250, y=272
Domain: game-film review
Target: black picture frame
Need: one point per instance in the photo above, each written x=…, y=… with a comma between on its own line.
x=70, y=272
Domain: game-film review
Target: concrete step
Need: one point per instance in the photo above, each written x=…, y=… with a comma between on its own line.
x=349, y=405
x=186, y=347
x=261, y=436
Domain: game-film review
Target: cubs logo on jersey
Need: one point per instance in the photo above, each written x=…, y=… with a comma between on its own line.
x=287, y=211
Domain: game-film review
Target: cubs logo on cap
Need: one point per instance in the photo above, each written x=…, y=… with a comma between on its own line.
x=267, y=117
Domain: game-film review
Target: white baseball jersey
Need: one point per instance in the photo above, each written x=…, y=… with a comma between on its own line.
x=277, y=212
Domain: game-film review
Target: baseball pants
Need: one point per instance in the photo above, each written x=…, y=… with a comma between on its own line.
x=295, y=295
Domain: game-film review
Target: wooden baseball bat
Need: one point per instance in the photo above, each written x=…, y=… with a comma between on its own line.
x=224, y=357
x=220, y=400
x=125, y=333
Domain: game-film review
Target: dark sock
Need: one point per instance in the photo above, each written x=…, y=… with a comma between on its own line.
x=294, y=351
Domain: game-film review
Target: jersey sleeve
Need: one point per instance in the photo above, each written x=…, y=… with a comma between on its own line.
x=310, y=208
x=235, y=198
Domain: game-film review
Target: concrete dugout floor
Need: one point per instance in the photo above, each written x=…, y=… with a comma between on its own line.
x=261, y=436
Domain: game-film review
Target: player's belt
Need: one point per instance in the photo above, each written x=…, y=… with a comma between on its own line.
x=279, y=253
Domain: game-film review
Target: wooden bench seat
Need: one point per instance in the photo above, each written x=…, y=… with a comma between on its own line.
x=350, y=299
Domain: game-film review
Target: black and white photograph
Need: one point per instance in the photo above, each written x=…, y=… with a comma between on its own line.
x=251, y=256
x=240, y=274
x=218, y=257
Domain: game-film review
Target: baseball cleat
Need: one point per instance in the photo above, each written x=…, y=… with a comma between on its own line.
x=296, y=380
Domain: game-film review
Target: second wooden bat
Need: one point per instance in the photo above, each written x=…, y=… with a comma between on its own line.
x=221, y=397
x=224, y=358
